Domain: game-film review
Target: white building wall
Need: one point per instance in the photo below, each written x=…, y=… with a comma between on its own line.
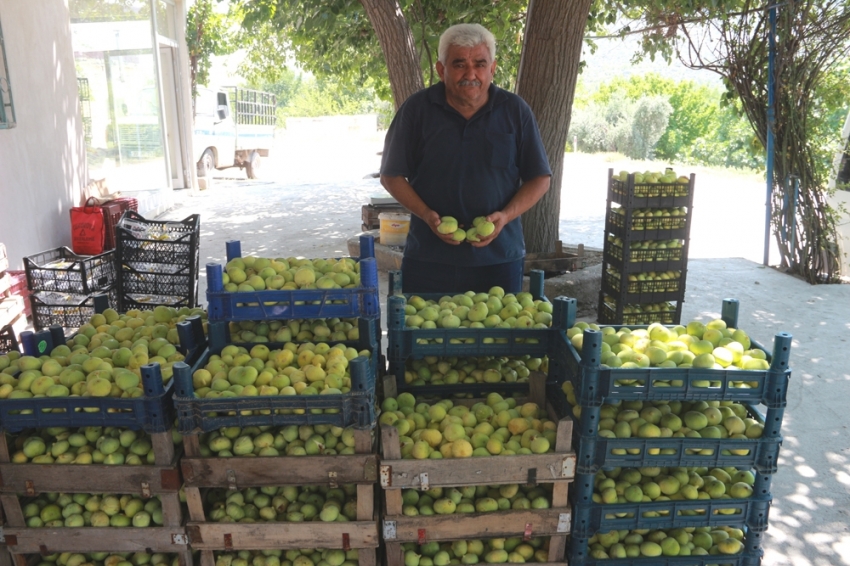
x=42, y=159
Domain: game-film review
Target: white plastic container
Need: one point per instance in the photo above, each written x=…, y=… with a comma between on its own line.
x=394, y=228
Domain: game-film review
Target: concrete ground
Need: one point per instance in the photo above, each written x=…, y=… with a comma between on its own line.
x=310, y=205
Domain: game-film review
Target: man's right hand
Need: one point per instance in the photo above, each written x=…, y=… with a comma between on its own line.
x=433, y=220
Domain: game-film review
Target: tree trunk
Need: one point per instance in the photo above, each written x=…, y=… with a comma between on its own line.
x=398, y=46
x=548, y=71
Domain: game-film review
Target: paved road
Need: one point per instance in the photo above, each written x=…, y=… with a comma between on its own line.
x=308, y=201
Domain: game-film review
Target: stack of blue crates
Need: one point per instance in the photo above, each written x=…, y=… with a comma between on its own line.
x=595, y=385
x=409, y=343
x=355, y=408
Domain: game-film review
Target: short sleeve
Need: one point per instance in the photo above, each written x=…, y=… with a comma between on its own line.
x=533, y=161
x=399, y=146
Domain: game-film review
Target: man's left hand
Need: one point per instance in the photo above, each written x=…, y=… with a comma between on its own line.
x=499, y=219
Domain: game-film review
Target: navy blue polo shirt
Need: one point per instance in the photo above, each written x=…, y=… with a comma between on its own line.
x=464, y=168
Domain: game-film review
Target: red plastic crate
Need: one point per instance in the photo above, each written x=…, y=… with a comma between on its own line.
x=112, y=212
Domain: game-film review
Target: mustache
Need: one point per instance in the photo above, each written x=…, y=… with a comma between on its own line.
x=469, y=83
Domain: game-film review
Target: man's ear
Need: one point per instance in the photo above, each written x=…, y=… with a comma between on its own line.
x=440, y=70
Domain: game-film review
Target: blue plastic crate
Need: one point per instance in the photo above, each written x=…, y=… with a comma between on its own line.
x=362, y=301
x=405, y=342
x=152, y=413
x=594, y=384
x=595, y=452
x=355, y=408
x=590, y=517
x=744, y=559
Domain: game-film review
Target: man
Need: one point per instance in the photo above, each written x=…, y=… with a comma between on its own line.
x=464, y=148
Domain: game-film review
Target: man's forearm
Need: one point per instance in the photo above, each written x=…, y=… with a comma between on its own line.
x=401, y=190
x=527, y=196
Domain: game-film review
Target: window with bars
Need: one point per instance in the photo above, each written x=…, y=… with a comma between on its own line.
x=7, y=108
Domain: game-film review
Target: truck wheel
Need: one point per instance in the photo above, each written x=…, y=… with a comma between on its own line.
x=252, y=167
x=206, y=165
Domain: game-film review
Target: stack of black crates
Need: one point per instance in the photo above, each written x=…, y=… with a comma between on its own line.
x=66, y=289
x=554, y=469
x=595, y=385
x=157, y=262
x=355, y=409
x=647, y=228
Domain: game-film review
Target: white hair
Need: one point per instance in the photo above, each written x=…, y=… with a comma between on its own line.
x=466, y=35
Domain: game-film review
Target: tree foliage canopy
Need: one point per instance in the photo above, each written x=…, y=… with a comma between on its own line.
x=731, y=38
x=334, y=38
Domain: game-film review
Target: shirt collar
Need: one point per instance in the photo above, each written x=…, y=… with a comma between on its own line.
x=437, y=95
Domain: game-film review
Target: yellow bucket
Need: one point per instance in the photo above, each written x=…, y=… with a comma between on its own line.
x=394, y=228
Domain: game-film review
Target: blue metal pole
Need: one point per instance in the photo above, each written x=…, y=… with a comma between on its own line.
x=771, y=117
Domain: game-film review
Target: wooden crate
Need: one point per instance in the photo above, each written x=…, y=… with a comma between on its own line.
x=30, y=479
x=26, y=480
x=95, y=539
x=557, y=468
x=557, y=261
x=369, y=214
x=366, y=557
x=236, y=473
x=185, y=557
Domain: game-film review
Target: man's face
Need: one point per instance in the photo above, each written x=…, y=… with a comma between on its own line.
x=467, y=74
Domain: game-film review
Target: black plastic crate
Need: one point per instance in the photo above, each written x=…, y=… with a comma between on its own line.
x=8, y=340
x=607, y=314
x=141, y=302
x=63, y=271
x=68, y=311
x=635, y=223
x=638, y=261
x=157, y=262
x=641, y=292
x=145, y=241
x=650, y=195
x=179, y=282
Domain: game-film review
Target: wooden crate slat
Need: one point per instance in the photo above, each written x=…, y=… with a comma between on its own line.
x=92, y=478
x=94, y=539
x=365, y=557
x=261, y=536
x=395, y=554
x=283, y=470
x=540, y=522
x=493, y=470
x=397, y=473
